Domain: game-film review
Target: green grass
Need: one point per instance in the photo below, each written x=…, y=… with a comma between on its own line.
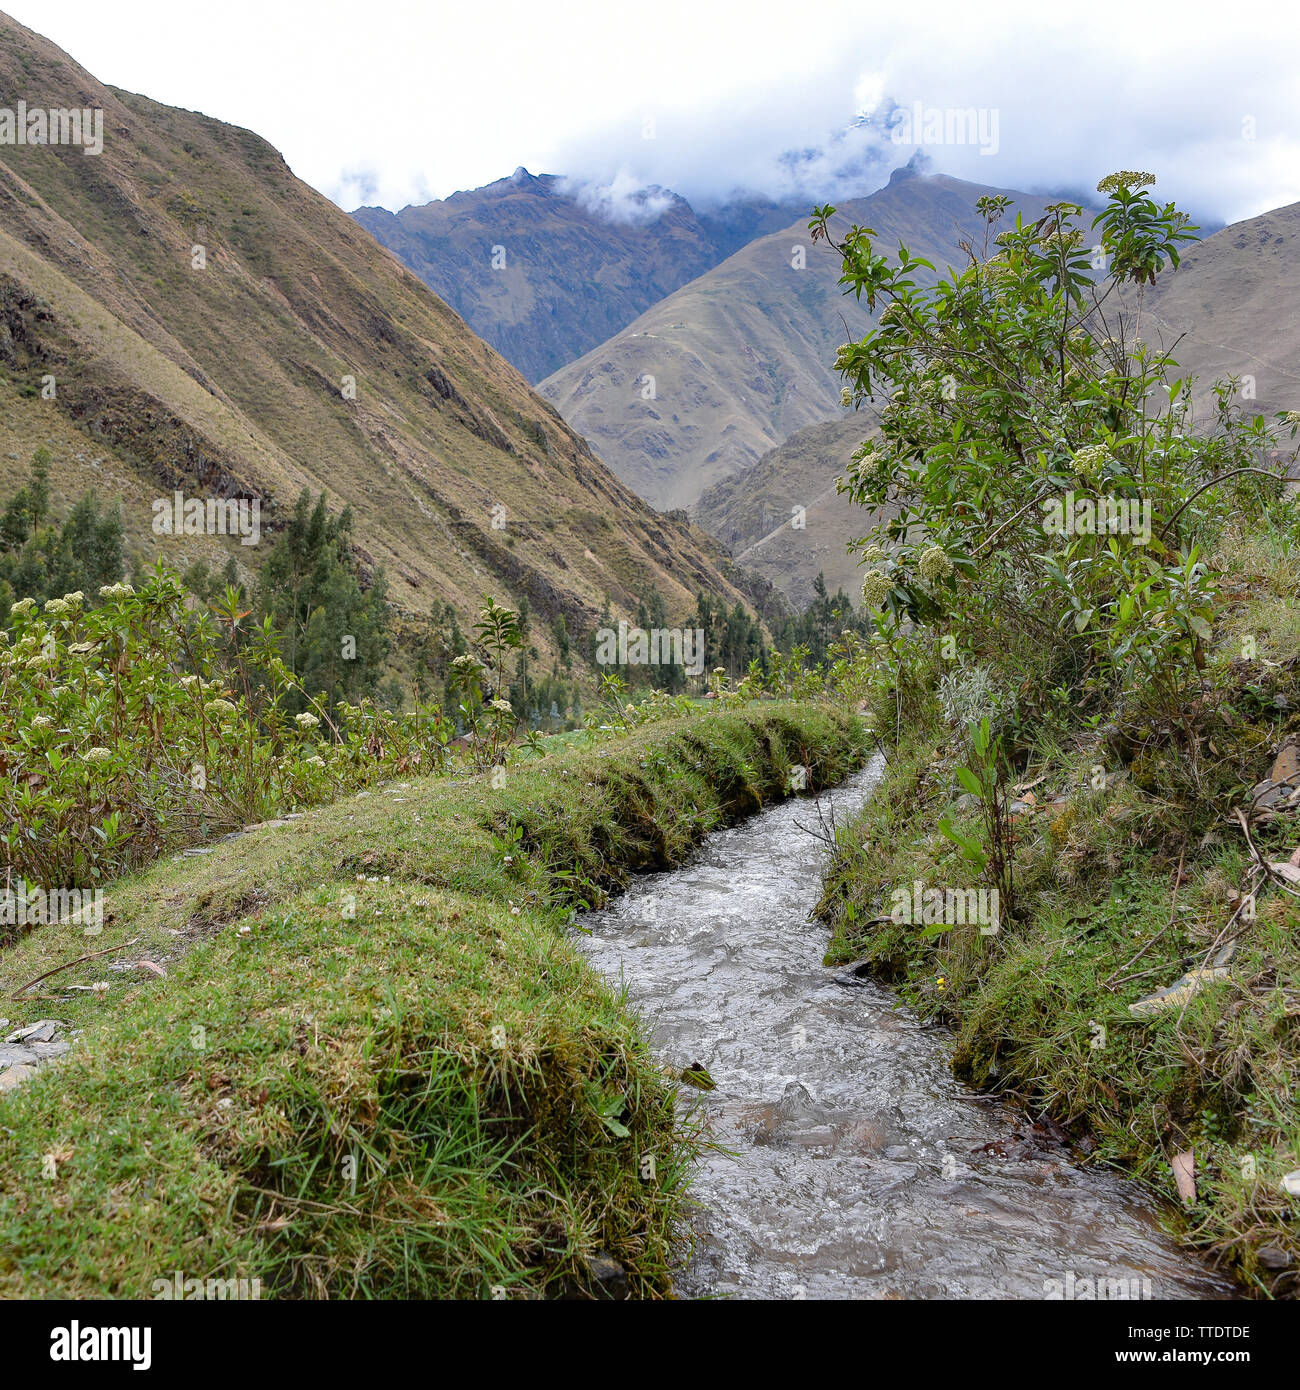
x=1041, y=1010
x=407, y=1084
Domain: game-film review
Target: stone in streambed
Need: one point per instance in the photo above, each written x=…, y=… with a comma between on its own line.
x=855, y=975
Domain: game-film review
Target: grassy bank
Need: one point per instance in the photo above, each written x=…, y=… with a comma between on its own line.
x=1130, y=866
x=376, y=1065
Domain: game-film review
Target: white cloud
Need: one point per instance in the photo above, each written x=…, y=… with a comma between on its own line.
x=624, y=198
x=400, y=102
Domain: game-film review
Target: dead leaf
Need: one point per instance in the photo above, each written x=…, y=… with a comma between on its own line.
x=152, y=965
x=1184, y=1166
x=1295, y=858
x=1286, y=766
x=1288, y=871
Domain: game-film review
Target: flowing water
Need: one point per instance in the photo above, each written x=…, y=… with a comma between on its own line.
x=857, y=1166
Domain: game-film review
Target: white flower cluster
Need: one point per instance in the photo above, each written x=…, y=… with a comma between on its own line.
x=1089, y=461
x=875, y=588
x=934, y=564
x=1125, y=178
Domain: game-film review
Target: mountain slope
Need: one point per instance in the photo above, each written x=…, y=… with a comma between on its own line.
x=231, y=380
x=742, y=357
x=784, y=519
x=1235, y=298
x=544, y=273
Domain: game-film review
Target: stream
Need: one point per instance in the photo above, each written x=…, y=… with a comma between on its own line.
x=858, y=1167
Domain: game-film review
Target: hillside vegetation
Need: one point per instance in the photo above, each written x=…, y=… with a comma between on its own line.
x=1088, y=655
x=181, y=313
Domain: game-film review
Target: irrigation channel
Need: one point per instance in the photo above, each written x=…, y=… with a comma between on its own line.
x=851, y=1163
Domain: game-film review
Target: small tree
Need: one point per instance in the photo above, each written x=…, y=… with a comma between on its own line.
x=1015, y=389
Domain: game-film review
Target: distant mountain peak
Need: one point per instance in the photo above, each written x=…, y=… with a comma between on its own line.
x=584, y=256
x=920, y=163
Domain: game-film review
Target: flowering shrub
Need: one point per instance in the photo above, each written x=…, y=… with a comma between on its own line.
x=1049, y=499
x=141, y=725
x=146, y=723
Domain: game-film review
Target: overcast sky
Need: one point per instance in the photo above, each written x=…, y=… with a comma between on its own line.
x=394, y=102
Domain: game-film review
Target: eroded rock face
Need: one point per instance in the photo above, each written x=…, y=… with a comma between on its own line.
x=20, y=313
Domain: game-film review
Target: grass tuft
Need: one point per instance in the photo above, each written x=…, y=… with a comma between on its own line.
x=406, y=1086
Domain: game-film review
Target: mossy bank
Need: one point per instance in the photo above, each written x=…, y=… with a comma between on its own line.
x=1129, y=873
x=377, y=1065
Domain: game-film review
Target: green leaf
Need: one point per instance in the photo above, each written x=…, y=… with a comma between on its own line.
x=609, y=1108
x=970, y=848
x=968, y=780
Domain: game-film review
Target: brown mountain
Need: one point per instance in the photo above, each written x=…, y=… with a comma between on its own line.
x=1232, y=308
x=545, y=272
x=212, y=324
x=784, y=519
x=742, y=357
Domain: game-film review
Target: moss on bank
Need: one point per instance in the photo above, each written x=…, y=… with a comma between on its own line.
x=377, y=1065
x=1123, y=883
